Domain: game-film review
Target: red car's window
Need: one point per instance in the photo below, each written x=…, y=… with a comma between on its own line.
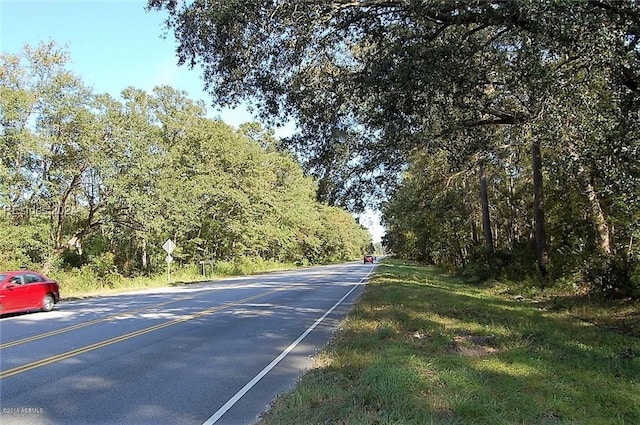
x=31, y=278
x=17, y=280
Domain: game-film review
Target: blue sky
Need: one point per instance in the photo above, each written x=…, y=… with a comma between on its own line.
x=114, y=44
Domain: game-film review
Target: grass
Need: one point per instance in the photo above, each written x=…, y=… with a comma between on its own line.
x=84, y=282
x=424, y=348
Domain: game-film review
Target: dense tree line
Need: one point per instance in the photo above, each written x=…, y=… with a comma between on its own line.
x=89, y=179
x=548, y=145
x=525, y=114
x=436, y=216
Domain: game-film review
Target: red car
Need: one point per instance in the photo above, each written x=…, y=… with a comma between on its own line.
x=26, y=290
x=368, y=259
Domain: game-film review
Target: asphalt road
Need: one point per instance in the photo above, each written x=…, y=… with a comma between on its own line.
x=214, y=352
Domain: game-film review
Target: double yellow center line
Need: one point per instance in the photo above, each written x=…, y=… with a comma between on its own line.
x=89, y=323
x=82, y=350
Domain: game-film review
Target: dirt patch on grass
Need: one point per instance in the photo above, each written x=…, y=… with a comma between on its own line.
x=474, y=345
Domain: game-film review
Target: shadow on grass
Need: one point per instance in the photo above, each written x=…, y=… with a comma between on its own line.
x=421, y=347
x=621, y=316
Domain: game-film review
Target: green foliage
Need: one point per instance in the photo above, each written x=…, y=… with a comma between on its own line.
x=634, y=279
x=434, y=216
x=376, y=85
x=429, y=215
x=613, y=276
x=110, y=180
x=79, y=281
x=103, y=265
x=22, y=244
x=247, y=266
x=515, y=264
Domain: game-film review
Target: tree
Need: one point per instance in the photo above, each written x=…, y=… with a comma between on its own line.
x=89, y=180
x=25, y=81
x=52, y=142
x=370, y=82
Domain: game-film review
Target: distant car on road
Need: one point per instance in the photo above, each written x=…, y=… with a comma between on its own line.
x=26, y=290
x=368, y=259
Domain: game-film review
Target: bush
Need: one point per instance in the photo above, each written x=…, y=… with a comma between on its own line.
x=635, y=276
x=247, y=266
x=517, y=264
x=103, y=265
x=76, y=281
x=615, y=277
x=70, y=259
x=22, y=244
x=225, y=268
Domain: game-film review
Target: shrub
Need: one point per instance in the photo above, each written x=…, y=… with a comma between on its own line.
x=225, y=268
x=22, y=244
x=615, y=277
x=103, y=265
x=516, y=264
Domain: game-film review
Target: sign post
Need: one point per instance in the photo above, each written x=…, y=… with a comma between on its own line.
x=169, y=246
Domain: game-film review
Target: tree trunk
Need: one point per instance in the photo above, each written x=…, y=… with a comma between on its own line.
x=474, y=231
x=144, y=253
x=58, y=220
x=593, y=203
x=461, y=255
x=484, y=202
x=512, y=235
x=51, y=259
x=538, y=208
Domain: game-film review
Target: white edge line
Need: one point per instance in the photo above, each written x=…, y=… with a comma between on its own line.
x=237, y=396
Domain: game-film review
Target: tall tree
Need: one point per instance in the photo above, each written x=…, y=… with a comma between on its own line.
x=54, y=142
x=484, y=202
x=25, y=81
x=369, y=82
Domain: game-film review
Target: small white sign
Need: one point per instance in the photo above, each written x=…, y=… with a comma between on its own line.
x=169, y=246
x=169, y=259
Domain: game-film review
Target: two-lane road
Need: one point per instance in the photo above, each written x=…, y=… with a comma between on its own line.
x=214, y=352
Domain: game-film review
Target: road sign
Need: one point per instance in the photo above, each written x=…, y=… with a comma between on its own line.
x=169, y=246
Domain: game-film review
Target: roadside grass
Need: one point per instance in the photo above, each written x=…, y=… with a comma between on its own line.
x=421, y=347
x=84, y=282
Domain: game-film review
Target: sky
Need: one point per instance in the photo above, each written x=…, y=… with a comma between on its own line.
x=114, y=44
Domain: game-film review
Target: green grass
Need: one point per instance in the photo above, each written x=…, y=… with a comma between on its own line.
x=85, y=283
x=424, y=348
